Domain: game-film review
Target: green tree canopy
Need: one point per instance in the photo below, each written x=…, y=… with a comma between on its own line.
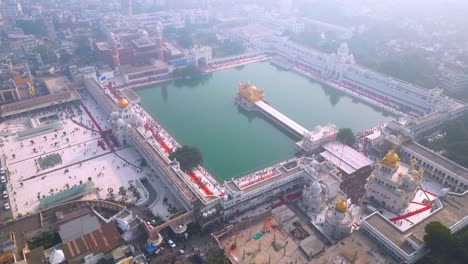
x=36, y=27
x=188, y=71
x=438, y=237
x=65, y=57
x=346, y=135
x=217, y=260
x=188, y=157
x=445, y=247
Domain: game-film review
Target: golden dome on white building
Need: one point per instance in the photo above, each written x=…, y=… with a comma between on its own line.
x=341, y=206
x=122, y=103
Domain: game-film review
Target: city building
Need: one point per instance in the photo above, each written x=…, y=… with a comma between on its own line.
x=85, y=239
x=340, y=71
x=196, y=16
x=454, y=82
x=321, y=187
x=338, y=221
x=393, y=184
x=145, y=71
x=8, y=92
x=346, y=159
x=7, y=247
x=21, y=75
x=82, y=73
x=407, y=245
x=312, y=140
x=22, y=45
x=444, y=171
x=11, y=9
x=130, y=48
x=252, y=190
x=199, y=56
x=437, y=167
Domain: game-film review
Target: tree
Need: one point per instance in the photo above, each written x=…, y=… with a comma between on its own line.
x=444, y=247
x=218, y=260
x=438, y=237
x=65, y=57
x=104, y=261
x=346, y=135
x=36, y=27
x=187, y=156
x=83, y=47
x=43, y=51
x=188, y=71
x=122, y=191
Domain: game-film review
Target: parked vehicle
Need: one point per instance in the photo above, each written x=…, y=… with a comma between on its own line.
x=5, y=194
x=171, y=243
x=6, y=206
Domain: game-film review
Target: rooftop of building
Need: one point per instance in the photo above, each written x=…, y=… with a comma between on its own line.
x=123, y=214
x=78, y=227
x=437, y=158
x=143, y=67
x=280, y=173
x=19, y=36
x=394, y=176
x=56, y=84
x=36, y=256
x=345, y=157
x=453, y=210
x=7, y=85
x=104, y=239
x=38, y=102
x=143, y=43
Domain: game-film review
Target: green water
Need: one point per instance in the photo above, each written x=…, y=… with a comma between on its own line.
x=234, y=142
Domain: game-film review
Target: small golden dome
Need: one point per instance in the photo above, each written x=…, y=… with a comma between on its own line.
x=413, y=161
x=391, y=158
x=341, y=206
x=400, y=174
x=402, y=191
x=371, y=177
x=420, y=171
x=122, y=103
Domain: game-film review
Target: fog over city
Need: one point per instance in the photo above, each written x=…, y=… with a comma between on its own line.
x=222, y=131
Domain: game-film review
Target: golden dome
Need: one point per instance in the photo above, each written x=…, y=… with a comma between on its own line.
x=402, y=191
x=341, y=206
x=414, y=161
x=122, y=103
x=400, y=174
x=420, y=171
x=371, y=177
x=391, y=158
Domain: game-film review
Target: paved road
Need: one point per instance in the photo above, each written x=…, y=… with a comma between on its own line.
x=151, y=191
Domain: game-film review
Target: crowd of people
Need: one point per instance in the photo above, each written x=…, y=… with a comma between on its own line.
x=207, y=179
